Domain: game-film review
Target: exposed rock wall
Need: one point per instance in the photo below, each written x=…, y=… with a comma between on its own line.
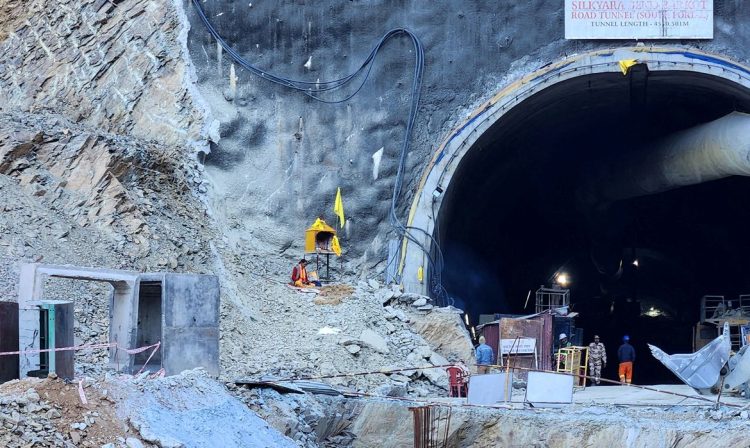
x=71, y=195
x=99, y=180
x=390, y=424
x=115, y=66
x=99, y=125
x=446, y=333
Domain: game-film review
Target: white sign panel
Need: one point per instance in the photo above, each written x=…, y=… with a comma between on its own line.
x=521, y=345
x=549, y=389
x=489, y=389
x=639, y=19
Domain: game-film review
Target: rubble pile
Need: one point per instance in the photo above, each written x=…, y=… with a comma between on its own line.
x=187, y=410
x=295, y=337
x=49, y=413
x=28, y=420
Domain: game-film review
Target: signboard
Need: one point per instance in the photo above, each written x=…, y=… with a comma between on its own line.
x=639, y=19
x=489, y=389
x=519, y=346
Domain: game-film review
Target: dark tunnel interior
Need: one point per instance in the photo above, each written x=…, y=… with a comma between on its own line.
x=510, y=219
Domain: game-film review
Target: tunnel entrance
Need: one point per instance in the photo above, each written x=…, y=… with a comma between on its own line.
x=512, y=218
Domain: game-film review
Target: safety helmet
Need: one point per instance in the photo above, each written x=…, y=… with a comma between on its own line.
x=626, y=338
x=563, y=335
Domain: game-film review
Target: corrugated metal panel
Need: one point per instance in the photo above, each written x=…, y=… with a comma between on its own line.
x=523, y=328
x=540, y=328
x=545, y=361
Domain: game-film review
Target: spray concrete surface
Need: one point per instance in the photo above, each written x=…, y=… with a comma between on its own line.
x=281, y=156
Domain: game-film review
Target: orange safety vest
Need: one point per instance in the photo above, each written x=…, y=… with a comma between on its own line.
x=299, y=273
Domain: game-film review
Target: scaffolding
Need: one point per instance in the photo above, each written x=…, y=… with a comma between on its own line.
x=574, y=361
x=551, y=299
x=717, y=310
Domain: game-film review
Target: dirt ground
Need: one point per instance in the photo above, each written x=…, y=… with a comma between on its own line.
x=333, y=294
x=102, y=425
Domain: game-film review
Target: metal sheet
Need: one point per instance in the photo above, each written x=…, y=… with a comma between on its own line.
x=545, y=345
x=64, y=322
x=545, y=389
x=489, y=389
x=8, y=341
x=699, y=370
x=523, y=328
x=491, y=333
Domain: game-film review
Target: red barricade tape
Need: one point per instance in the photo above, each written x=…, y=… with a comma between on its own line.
x=60, y=349
x=130, y=351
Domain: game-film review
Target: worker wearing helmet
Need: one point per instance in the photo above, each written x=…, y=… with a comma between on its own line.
x=626, y=356
x=564, y=343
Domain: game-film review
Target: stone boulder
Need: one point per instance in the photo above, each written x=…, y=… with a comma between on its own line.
x=446, y=333
x=373, y=340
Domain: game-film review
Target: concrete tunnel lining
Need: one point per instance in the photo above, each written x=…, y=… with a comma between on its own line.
x=473, y=160
x=448, y=157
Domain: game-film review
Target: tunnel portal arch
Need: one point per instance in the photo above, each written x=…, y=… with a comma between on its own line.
x=446, y=160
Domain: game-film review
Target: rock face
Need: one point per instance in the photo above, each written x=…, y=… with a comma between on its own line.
x=446, y=333
x=118, y=67
x=390, y=425
x=99, y=124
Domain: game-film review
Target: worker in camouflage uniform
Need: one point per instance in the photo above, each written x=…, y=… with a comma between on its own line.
x=597, y=359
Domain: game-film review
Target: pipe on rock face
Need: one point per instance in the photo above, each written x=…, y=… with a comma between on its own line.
x=710, y=151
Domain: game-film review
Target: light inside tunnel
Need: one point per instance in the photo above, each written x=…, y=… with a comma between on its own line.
x=512, y=214
x=562, y=279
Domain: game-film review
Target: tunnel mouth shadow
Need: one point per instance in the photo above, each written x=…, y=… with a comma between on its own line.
x=511, y=217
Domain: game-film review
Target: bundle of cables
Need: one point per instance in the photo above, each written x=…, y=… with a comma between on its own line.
x=320, y=91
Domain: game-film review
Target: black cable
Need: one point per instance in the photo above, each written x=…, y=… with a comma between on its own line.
x=313, y=90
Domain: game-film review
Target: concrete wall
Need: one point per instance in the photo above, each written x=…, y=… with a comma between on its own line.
x=281, y=156
x=191, y=323
x=185, y=319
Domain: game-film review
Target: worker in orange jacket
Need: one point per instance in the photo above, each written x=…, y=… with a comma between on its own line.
x=300, y=278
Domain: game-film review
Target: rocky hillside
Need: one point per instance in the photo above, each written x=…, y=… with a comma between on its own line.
x=117, y=67
x=98, y=139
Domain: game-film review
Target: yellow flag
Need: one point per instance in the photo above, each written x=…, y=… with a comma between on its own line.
x=625, y=65
x=420, y=274
x=335, y=246
x=338, y=208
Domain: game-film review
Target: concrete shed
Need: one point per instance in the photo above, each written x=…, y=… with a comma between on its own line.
x=181, y=311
